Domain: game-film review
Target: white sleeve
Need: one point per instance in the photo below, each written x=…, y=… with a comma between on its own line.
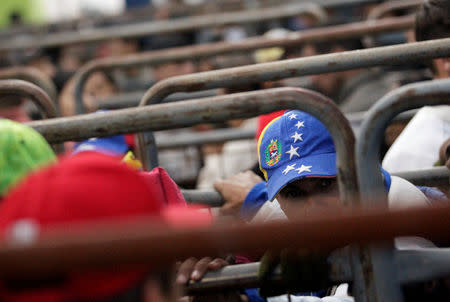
x=403, y=194
x=270, y=211
x=417, y=147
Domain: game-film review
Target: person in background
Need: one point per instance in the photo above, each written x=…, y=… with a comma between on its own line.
x=13, y=108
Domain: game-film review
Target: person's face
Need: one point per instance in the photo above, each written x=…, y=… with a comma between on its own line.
x=442, y=68
x=308, y=194
x=15, y=113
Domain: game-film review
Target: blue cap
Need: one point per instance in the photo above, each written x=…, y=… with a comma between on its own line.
x=294, y=146
x=113, y=145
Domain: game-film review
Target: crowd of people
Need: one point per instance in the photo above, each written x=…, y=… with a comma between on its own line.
x=289, y=169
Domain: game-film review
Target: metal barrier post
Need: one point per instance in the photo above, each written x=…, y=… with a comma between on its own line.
x=31, y=75
x=31, y=91
x=408, y=97
x=368, y=157
x=36, y=95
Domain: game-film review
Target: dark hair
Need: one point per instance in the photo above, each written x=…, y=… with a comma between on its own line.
x=433, y=20
x=10, y=100
x=347, y=44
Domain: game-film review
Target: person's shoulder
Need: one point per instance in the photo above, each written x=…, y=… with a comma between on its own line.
x=403, y=194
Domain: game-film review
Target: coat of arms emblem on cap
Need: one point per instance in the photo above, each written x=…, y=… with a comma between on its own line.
x=273, y=152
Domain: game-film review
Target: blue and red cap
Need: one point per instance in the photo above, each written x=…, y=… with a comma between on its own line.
x=293, y=146
x=112, y=145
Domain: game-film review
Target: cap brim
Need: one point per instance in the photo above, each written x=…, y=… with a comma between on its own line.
x=322, y=165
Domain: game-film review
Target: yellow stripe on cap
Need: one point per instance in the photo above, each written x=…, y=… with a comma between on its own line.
x=259, y=146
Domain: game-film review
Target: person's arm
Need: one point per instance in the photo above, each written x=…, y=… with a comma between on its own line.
x=235, y=190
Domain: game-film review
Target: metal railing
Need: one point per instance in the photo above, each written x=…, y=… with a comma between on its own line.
x=389, y=55
x=428, y=263
x=216, y=109
x=408, y=97
x=248, y=238
x=144, y=243
x=172, y=26
x=32, y=92
x=385, y=8
x=31, y=75
x=294, y=39
x=36, y=95
x=371, y=183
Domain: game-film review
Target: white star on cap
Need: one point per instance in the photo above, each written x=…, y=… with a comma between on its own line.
x=292, y=116
x=300, y=124
x=297, y=137
x=293, y=152
x=304, y=168
x=288, y=169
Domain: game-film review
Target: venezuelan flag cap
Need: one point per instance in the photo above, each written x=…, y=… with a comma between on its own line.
x=293, y=146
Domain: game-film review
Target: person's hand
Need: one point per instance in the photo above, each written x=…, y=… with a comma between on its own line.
x=234, y=189
x=302, y=270
x=193, y=269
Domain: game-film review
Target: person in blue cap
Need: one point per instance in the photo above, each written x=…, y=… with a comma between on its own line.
x=298, y=159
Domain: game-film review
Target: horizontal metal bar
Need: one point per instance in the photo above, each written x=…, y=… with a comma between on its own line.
x=170, y=26
x=439, y=176
x=427, y=177
x=61, y=250
x=411, y=266
x=388, y=55
x=358, y=117
x=164, y=116
x=201, y=138
x=210, y=198
x=126, y=100
x=224, y=135
x=330, y=33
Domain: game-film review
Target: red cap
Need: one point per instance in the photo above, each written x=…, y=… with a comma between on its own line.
x=162, y=185
x=87, y=188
